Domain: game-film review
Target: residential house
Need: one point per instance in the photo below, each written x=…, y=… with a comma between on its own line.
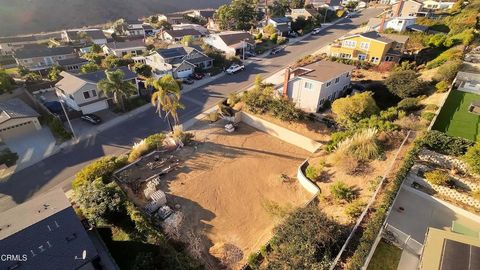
x=179, y=61
x=330, y=4
x=262, y=6
x=231, y=42
x=203, y=31
x=17, y=119
x=149, y=30
x=312, y=85
x=95, y=36
x=281, y=24
x=438, y=4
x=177, y=35
x=72, y=64
x=370, y=46
x=407, y=8
x=80, y=91
x=46, y=233
x=399, y=24
x=204, y=14
x=119, y=49
x=9, y=44
x=213, y=25
x=450, y=250
x=134, y=29
x=176, y=18
x=306, y=13
x=38, y=57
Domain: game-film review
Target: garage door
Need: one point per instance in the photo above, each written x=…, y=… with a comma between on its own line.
x=17, y=130
x=95, y=107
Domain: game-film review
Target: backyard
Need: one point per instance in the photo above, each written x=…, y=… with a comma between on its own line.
x=386, y=257
x=232, y=188
x=455, y=119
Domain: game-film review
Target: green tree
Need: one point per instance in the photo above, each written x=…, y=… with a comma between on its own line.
x=115, y=85
x=277, y=9
x=269, y=30
x=166, y=98
x=238, y=15
x=112, y=61
x=163, y=25
x=437, y=40
x=6, y=82
x=405, y=84
x=89, y=67
x=351, y=4
x=93, y=57
x=32, y=76
x=96, y=48
x=187, y=40
x=143, y=69
x=54, y=73
x=472, y=158
x=119, y=26
x=352, y=109
x=297, y=4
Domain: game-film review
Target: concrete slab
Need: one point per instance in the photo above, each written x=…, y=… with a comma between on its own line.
x=422, y=212
x=408, y=261
x=82, y=128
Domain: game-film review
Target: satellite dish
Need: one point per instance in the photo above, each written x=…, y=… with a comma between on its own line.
x=84, y=254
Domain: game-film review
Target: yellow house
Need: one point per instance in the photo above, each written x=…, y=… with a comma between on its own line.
x=371, y=47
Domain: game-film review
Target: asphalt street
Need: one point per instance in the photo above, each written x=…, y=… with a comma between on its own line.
x=59, y=169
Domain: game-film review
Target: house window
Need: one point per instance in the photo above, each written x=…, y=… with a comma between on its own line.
x=389, y=58
x=345, y=56
x=349, y=44
x=337, y=80
x=94, y=93
x=86, y=95
x=362, y=57
x=375, y=59
x=308, y=85
x=365, y=45
x=328, y=84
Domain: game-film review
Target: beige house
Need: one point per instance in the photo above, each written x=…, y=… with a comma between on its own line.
x=17, y=119
x=406, y=8
x=119, y=49
x=303, y=12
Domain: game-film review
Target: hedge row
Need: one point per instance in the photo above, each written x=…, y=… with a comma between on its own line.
x=444, y=144
x=375, y=223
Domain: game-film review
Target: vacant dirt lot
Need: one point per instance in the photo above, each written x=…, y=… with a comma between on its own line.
x=229, y=180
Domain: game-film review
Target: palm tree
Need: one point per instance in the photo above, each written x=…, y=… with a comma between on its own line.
x=166, y=98
x=115, y=85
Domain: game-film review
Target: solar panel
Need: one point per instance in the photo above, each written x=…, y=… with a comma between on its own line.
x=459, y=256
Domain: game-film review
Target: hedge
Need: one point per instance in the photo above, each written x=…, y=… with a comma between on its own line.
x=374, y=224
x=445, y=144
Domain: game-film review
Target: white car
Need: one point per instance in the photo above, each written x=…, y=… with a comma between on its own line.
x=316, y=31
x=234, y=68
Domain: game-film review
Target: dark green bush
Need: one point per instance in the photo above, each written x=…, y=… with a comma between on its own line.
x=408, y=104
x=341, y=191
x=445, y=144
x=428, y=115
x=8, y=157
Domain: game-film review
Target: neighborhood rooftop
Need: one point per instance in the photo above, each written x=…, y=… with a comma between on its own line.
x=183, y=32
x=97, y=76
x=42, y=51
x=71, y=61
x=92, y=33
x=15, y=108
x=375, y=35
x=235, y=37
x=126, y=44
x=325, y=70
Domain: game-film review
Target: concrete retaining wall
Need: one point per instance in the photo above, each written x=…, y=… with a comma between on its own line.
x=280, y=132
x=304, y=181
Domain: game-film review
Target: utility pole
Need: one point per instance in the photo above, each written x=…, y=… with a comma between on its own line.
x=68, y=119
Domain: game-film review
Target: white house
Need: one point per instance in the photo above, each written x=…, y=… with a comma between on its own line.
x=437, y=5
x=17, y=119
x=119, y=49
x=281, y=24
x=306, y=13
x=179, y=61
x=312, y=85
x=80, y=91
x=94, y=36
x=177, y=35
x=399, y=24
x=231, y=42
x=134, y=29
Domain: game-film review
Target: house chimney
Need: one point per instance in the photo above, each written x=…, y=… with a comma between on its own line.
x=285, y=82
x=399, y=9
x=382, y=24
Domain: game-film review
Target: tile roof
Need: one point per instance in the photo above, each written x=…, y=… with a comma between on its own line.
x=183, y=32
x=13, y=109
x=42, y=51
x=47, y=230
x=325, y=70
x=125, y=45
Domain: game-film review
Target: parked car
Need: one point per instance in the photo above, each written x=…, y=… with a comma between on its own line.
x=54, y=107
x=91, y=118
x=292, y=34
x=187, y=81
x=276, y=50
x=250, y=54
x=316, y=31
x=197, y=76
x=234, y=68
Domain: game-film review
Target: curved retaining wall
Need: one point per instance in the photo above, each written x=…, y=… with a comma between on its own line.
x=304, y=181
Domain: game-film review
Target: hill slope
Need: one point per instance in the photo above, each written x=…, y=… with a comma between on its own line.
x=29, y=16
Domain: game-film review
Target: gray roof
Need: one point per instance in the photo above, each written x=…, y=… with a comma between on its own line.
x=183, y=32
x=375, y=35
x=15, y=108
x=206, y=13
x=172, y=52
x=231, y=38
x=418, y=27
x=47, y=230
x=397, y=38
x=42, y=51
x=126, y=44
x=17, y=39
x=72, y=61
x=324, y=71
x=95, y=77
x=283, y=28
x=92, y=33
x=280, y=19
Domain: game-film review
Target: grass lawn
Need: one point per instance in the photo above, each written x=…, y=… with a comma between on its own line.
x=11, y=71
x=454, y=118
x=386, y=257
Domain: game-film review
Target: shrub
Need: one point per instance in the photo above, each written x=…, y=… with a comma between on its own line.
x=284, y=110
x=312, y=172
x=139, y=149
x=475, y=194
x=472, y=158
x=408, y=104
x=57, y=128
x=437, y=40
x=355, y=208
x=155, y=141
x=281, y=40
x=431, y=107
x=274, y=38
x=437, y=177
x=428, y=115
x=182, y=136
x=341, y=191
x=354, y=108
x=8, y=157
x=448, y=71
x=362, y=145
x=336, y=138
x=442, y=86
x=448, y=55
x=405, y=84
x=445, y=144
x=101, y=168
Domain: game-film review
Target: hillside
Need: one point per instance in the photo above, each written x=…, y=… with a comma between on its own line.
x=30, y=16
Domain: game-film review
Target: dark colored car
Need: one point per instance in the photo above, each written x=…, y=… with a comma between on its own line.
x=91, y=118
x=54, y=107
x=276, y=50
x=197, y=76
x=187, y=81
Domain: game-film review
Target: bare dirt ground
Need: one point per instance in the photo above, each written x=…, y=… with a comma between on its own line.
x=226, y=181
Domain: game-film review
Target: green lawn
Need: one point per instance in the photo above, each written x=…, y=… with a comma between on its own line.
x=386, y=257
x=455, y=119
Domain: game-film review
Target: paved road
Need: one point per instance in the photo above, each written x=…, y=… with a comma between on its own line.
x=59, y=169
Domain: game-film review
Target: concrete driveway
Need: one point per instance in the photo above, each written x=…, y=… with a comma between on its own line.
x=84, y=129
x=32, y=147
